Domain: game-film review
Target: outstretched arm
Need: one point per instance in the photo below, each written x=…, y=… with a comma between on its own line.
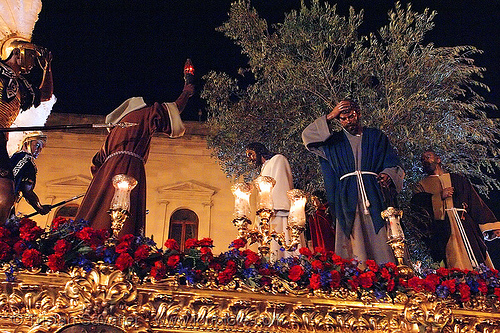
x=31, y=197
x=183, y=98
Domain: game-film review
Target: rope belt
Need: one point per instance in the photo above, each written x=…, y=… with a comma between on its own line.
x=124, y=152
x=359, y=177
x=465, y=239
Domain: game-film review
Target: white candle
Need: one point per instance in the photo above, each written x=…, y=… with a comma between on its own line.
x=297, y=215
x=241, y=192
x=395, y=225
x=265, y=186
x=123, y=185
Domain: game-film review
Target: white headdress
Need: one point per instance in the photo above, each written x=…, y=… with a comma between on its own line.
x=17, y=20
x=31, y=117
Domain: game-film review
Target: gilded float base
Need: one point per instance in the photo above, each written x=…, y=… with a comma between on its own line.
x=104, y=300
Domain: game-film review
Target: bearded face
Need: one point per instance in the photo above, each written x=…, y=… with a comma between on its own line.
x=349, y=120
x=430, y=162
x=254, y=158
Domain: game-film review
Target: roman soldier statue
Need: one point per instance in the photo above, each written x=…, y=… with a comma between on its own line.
x=18, y=95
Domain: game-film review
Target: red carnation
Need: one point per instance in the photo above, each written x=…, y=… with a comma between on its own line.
x=442, y=271
x=142, y=252
x=85, y=234
x=372, y=265
x=206, y=251
x=295, y=273
x=391, y=284
x=354, y=282
x=26, y=223
x=450, y=284
x=315, y=281
x=56, y=262
x=62, y=246
x=191, y=242
x=483, y=288
x=384, y=272
x=171, y=244
x=366, y=279
x=5, y=250
x=19, y=247
x=251, y=258
x=206, y=242
x=305, y=251
x=464, y=290
x=337, y=260
x=225, y=276
x=30, y=232
x=124, y=261
x=57, y=222
x=238, y=243
x=206, y=254
x=122, y=247
x=159, y=270
x=31, y=258
x=319, y=249
x=4, y=233
x=92, y=237
x=335, y=281
x=497, y=292
x=317, y=265
x=128, y=238
x=173, y=260
x=431, y=281
x=416, y=283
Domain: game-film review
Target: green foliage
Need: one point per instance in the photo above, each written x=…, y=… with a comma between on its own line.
x=419, y=95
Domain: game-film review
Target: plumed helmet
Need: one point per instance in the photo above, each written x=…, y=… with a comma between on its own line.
x=17, y=20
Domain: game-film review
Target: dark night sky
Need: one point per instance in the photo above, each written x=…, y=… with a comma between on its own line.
x=106, y=51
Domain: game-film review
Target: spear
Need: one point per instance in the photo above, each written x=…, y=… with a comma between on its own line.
x=60, y=203
x=122, y=124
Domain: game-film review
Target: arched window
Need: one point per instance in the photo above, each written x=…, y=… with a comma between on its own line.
x=183, y=225
x=67, y=211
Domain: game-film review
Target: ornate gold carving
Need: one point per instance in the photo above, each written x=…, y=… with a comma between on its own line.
x=107, y=300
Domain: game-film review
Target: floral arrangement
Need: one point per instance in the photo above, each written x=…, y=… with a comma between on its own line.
x=66, y=244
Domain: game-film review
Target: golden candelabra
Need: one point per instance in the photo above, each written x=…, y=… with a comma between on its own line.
x=396, y=238
x=263, y=233
x=120, y=204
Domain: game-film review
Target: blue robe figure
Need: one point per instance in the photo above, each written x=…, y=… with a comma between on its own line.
x=351, y=165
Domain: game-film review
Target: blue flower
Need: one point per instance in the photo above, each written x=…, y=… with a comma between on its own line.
x=187, y=272
x=442, y=291
x=84, y=263
x=10, y=274
x=325, y=278
x=109, y=255
x=250, y=273
x=493, y=282
x=379, y=294
x=473, y=284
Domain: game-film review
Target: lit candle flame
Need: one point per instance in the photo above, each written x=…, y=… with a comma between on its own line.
x=265, y=186
x=297, y=215
x=241, y=192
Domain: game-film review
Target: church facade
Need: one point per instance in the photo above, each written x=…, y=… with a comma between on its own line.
x=188, y=195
